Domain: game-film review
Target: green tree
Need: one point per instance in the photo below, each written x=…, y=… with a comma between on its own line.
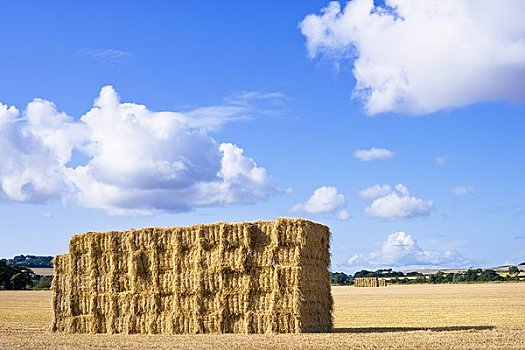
x=420, y=279
x=471, y=275
x=513, y=270
x=44, y=282
x=489, y=275
x=339, y=278
x=458, y=277
x=15, y=277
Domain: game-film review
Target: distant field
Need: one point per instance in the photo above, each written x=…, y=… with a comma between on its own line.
x=44, y=271
x=458, y=316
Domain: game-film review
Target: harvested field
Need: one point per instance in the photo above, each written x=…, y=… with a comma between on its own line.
x=43, y=271
x=463, y=316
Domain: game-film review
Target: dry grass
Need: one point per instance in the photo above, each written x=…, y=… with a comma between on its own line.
x=476, y=316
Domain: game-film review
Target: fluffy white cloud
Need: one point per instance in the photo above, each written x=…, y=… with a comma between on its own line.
x=417, y=57
x=397, y=204
x=367, y=155
x=375, y=191
x=401, y=249
x=462, y=190
x=324, y=200
x=134, y=161
x=442, y=160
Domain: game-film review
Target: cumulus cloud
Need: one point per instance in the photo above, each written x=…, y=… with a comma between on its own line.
x=461, y=190
x=401, y=249
x=136, y=161
x=324, y=200
x=375, y=191
x=442, y=160
x=397, y=204
x=418, y=57
x=367, y=155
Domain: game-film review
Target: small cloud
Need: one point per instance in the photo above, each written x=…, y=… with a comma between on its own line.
x=402, y=249
x=462, y=190
x=324, y=200
x=48, y=216
x=108, y=56
x=244, y=96
x=244, y=106
x=375, y=191
x=442, y=160
x=398, y=204
x=367, y=155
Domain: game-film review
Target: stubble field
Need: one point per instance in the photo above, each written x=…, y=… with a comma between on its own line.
x=463, y=316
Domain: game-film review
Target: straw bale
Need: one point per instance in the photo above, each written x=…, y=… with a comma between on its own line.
x=369, y=282
x=255, y=277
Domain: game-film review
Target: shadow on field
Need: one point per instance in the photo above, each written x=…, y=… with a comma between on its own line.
x=409, y=329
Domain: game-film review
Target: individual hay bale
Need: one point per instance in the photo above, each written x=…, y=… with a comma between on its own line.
x=255, y=277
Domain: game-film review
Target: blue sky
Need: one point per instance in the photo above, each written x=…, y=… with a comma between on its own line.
x=400, y=127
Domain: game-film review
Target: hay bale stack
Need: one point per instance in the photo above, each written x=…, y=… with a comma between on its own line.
x=369, y=282
x=258, y=277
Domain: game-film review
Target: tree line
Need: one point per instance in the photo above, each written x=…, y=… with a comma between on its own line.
x=398, y=277
x=16, y=277
x=31, y=261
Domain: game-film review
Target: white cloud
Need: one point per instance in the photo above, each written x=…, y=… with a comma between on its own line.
x=366, y=155
x=375, y=191
x=417, y=57
x=401, y=249
x=108, y=56
x=325, y=200
x=462, y=190
x=137, y=161
x=237, y=107
x=442, y=160
x=397, y=204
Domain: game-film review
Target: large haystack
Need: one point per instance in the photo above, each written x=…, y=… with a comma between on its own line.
x=255, y=277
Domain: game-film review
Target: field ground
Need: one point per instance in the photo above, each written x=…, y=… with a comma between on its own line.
x=459, y=316
x=43, y=271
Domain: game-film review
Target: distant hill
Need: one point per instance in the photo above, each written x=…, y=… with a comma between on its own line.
x=31, y=261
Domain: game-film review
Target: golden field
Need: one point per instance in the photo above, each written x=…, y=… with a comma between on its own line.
x=462, y=316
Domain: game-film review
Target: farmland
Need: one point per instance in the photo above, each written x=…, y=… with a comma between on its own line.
x=459, y=316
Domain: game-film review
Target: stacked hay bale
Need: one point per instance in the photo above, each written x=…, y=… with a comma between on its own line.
x=254, y=277
x=369, y=282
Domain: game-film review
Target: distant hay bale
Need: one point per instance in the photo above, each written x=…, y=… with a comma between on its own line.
x=369, y=282
x=257, y=277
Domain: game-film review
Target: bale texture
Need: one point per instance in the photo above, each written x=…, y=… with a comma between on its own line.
x=369, y=282
x=256, y=277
